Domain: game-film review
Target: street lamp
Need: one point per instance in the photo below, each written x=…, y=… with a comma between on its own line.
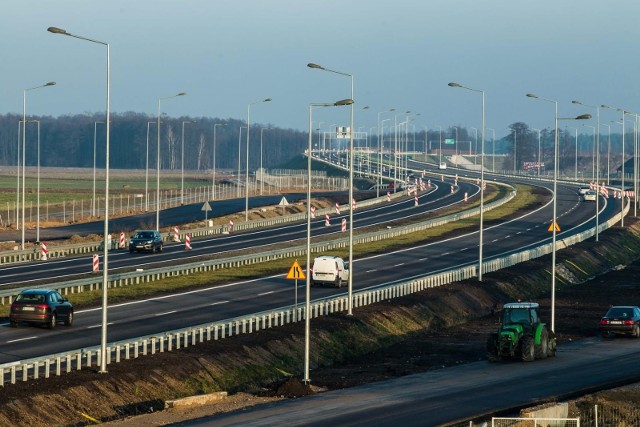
x=246, y=181
x=515, y=151
x=622, y=171
x=105, y=262
x=38, y=191
x=608, y=148
x=575, y=172
x=350, y=292
x=262, y=170
x=158, y=160
x=493, y=143
x=593, y=158
x=213, y=175
x=146, y=174
x=554, y=225
x=24, y=147
x=380, y=148
x=182, y=164
x=480, y=266
x=307, y=313
x=93, y=198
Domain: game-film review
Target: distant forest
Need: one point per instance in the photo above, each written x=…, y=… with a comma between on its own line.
x=67, y=141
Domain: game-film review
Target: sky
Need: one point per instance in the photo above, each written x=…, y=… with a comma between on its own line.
x=229, y=54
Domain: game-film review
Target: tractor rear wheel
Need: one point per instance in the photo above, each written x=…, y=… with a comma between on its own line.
x=543, y=349
x=528, y=349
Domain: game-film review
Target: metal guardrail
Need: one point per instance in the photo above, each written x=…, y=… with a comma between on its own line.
x=35, y=368
x=33, y=254
x=136, y=277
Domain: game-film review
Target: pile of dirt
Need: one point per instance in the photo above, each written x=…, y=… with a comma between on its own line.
x=292, y=388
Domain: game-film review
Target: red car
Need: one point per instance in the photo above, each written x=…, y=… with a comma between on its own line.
x=621, y=320
x=42, y=306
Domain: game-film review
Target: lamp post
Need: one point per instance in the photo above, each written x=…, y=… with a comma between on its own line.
x=307, y=312
x=182, y=164
x=146, y=173
x=593, y=157
x=440, y=136
x=395, y=151
x=456, y=145
x=246, y=181
x=38, y=186
x=24, y=147
x=261, y=170
x=515, y=151
x=575, y=173
x=608, y=147
x=554, y=225
x=351, y=98
x=105, y=262
x=213, y=174
x=622, y=171
x=93, y=197
x=380, y=148
x=158, y=160
x=493, y=142
x=480, y=266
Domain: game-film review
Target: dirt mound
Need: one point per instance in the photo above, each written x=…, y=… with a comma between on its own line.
x=293, y=387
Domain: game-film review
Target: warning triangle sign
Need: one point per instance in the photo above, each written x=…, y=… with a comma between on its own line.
x=554, y=225
x=296, y=272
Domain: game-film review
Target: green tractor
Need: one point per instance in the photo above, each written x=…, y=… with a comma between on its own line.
x=521, y=335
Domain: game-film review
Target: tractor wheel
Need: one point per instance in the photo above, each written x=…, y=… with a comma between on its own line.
x=492, y=350
x=528, y=349
x=543, y=349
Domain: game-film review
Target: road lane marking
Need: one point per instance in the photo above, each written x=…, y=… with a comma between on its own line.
x=21, y=339
x=99, y=325
x=219, y=302
x=265, y=293
x=399, y=265
x=166, y=312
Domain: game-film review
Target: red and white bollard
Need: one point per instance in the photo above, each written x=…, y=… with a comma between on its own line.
x=187, y=242
x=466, y=196
x=452, y=189
x=353, y=204
x=230, y=225
x=96, y=263
x=337, y=209
x=415, y=200
x=388, y=196
x=326, y=220
x=43, y=251
x=344, y=225
x=121, y=243
x=176, y=234
x=429, y=183
x=313, y=212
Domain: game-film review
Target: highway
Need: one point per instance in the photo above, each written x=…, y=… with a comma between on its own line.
x=156, y=315
x=453, y=395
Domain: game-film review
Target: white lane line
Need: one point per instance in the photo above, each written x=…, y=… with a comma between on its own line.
x=219, y=302
x=423, y=259
x=166, y=312
x=99, y=325
x=371, y=271
x=21, y=339
x=398, y=265
x=265, y=293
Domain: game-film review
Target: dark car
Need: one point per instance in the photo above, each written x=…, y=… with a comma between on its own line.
x=43, y=306
x=621, y=320
x=146, y=240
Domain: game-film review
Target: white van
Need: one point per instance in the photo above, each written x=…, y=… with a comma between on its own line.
x=329, y=269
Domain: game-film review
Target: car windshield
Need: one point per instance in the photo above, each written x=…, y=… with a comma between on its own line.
x=144, y=235
x=623, y=312
x=30, y=298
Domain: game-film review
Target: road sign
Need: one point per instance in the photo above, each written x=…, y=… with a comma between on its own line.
x=554, y=225
x=206, y=208
x=449, y=141
x=296, y=272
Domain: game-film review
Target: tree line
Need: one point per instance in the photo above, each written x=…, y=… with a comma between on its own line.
x=68, y=141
